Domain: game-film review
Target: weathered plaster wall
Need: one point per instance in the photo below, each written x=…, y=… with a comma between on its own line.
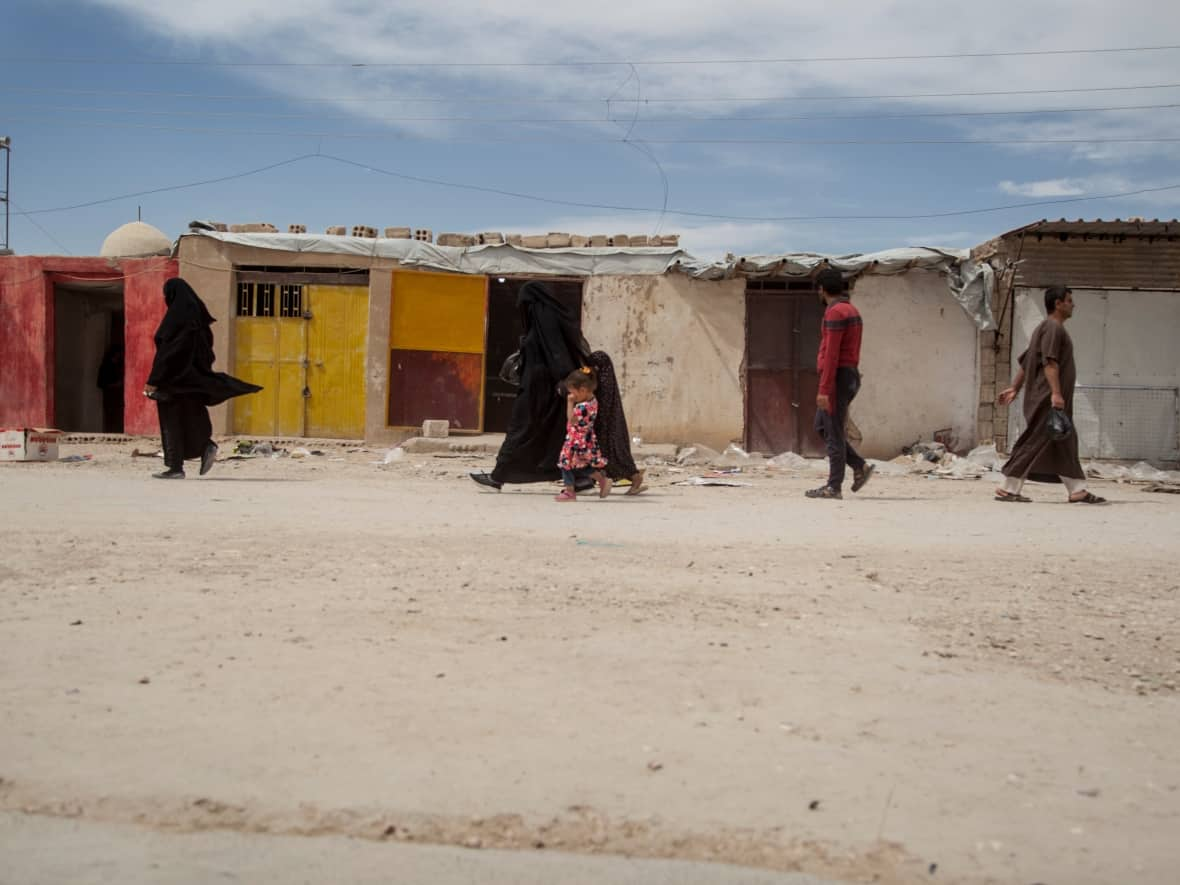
x=26, y=305
x=27, y=332
x=919, y=362
x=143, y=304
x=678, y=346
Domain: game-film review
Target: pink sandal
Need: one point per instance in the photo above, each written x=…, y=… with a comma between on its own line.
x=566, y=495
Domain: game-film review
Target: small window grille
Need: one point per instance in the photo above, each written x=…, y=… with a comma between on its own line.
x=264, y=299
x=291, y=301
x=245, y=299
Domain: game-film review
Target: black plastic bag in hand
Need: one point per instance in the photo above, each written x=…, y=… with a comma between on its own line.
x=1060, y=427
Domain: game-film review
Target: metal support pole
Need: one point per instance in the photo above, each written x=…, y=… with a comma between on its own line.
x=6, y=146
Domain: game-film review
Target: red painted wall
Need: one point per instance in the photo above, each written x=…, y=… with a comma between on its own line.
x=143, y=303
x=26, y=332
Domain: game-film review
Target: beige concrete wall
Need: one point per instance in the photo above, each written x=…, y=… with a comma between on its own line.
x=919, y=360
x=678, y=346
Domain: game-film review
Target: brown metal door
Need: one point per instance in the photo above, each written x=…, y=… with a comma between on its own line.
x=782, y=342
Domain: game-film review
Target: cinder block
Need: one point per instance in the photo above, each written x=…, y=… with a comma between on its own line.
x=490, y=238
x=255, y=227
x=336, y=230
x=598, y=241
x=640, y=240
x=987, y=392
x=620, y=240
x=670, y=239
x=513, y=239
x=423, y=235
x=450, y=239
x=557, y=241
x=398, y=233
x=434, y=429
x=362, y=230
x=578, y=241
x=220, y=226
x=296, y=228
x=534, y=242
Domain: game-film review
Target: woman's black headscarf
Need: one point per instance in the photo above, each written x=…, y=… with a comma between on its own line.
x=552, y=337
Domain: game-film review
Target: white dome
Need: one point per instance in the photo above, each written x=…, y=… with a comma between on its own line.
x=134, y=240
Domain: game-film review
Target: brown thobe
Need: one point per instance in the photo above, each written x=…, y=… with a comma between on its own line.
x=1036, y=456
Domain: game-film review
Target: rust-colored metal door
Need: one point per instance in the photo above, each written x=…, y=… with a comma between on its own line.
x=782, y=342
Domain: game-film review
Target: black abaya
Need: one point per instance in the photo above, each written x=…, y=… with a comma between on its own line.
x=614, y=439
x=552, y=347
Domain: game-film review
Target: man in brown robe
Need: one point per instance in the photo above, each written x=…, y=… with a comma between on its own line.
x=1047, y=368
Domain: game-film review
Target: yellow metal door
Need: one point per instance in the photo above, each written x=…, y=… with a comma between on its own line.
x=336, y=337
x=270, y=351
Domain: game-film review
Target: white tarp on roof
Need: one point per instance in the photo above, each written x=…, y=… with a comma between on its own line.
x=970, y=283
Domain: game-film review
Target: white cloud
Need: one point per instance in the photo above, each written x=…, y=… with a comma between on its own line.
x=1055, y=187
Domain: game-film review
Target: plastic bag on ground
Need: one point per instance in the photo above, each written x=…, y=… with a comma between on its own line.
x=394, y=454
x=986, y=456
x=1145, y=472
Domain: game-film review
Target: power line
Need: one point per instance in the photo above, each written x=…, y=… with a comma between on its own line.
x=599, y=120
x=813, y=59
x=466, y=99
x=802, y=142
x=606, y=206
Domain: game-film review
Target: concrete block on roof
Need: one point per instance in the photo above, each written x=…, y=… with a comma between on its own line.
x=423, y=235
x=336, y=230
x=513, y=239
x=296, y=228
x=598, y=241
x=534, y=242
x=620, y=240
x=220, y=226
x=362, y=230
x=579, y=241
x=491, y=238
x=557, y=240
x=639, y=240
x=254, y=227
x=398, y=233
x=456, y=240
x=670, y=240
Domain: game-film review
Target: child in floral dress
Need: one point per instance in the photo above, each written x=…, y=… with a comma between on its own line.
x=580, y=456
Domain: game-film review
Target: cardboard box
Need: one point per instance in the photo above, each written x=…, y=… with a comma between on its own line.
x=29, y=444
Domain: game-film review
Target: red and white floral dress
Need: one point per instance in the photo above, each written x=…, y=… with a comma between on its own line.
x=581, y=445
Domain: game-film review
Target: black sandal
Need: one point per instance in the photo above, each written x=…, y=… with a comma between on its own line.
x=1012, y=498
x=1088, y=498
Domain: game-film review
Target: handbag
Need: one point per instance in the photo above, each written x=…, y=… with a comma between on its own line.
x=510, y=371
x=1060, y=427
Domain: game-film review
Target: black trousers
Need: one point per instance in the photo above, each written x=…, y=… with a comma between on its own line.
x=830, y=426
x=185, y=430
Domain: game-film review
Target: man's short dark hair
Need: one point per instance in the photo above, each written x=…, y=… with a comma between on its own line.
x=830, y=280
x=1054, y=294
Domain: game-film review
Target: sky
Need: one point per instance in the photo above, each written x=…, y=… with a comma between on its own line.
x=749, y=127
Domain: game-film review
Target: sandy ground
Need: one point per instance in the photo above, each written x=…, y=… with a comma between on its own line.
x=916, y=684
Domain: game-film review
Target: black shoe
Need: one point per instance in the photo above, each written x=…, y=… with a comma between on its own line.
x=824, y=492
x=169, y=474
x=860, y=478
x=485, y=480
x=208, y=458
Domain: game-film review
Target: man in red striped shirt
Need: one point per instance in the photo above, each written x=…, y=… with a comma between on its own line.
x=839, y=382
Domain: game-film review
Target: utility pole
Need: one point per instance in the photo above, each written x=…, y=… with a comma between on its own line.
x=6, y=146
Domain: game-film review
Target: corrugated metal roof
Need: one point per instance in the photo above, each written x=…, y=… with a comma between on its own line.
x=1119, y=227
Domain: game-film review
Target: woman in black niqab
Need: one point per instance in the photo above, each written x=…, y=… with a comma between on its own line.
x=552, y=346
x=183, y=383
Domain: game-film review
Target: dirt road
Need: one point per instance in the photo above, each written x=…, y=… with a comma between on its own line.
x=916, y=684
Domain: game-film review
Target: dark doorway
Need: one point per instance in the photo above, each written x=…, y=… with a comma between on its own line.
x=88, y=364
x=504, y=331
x=783, y=321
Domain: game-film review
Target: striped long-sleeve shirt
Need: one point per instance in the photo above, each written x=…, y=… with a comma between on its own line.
x=840, y=344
